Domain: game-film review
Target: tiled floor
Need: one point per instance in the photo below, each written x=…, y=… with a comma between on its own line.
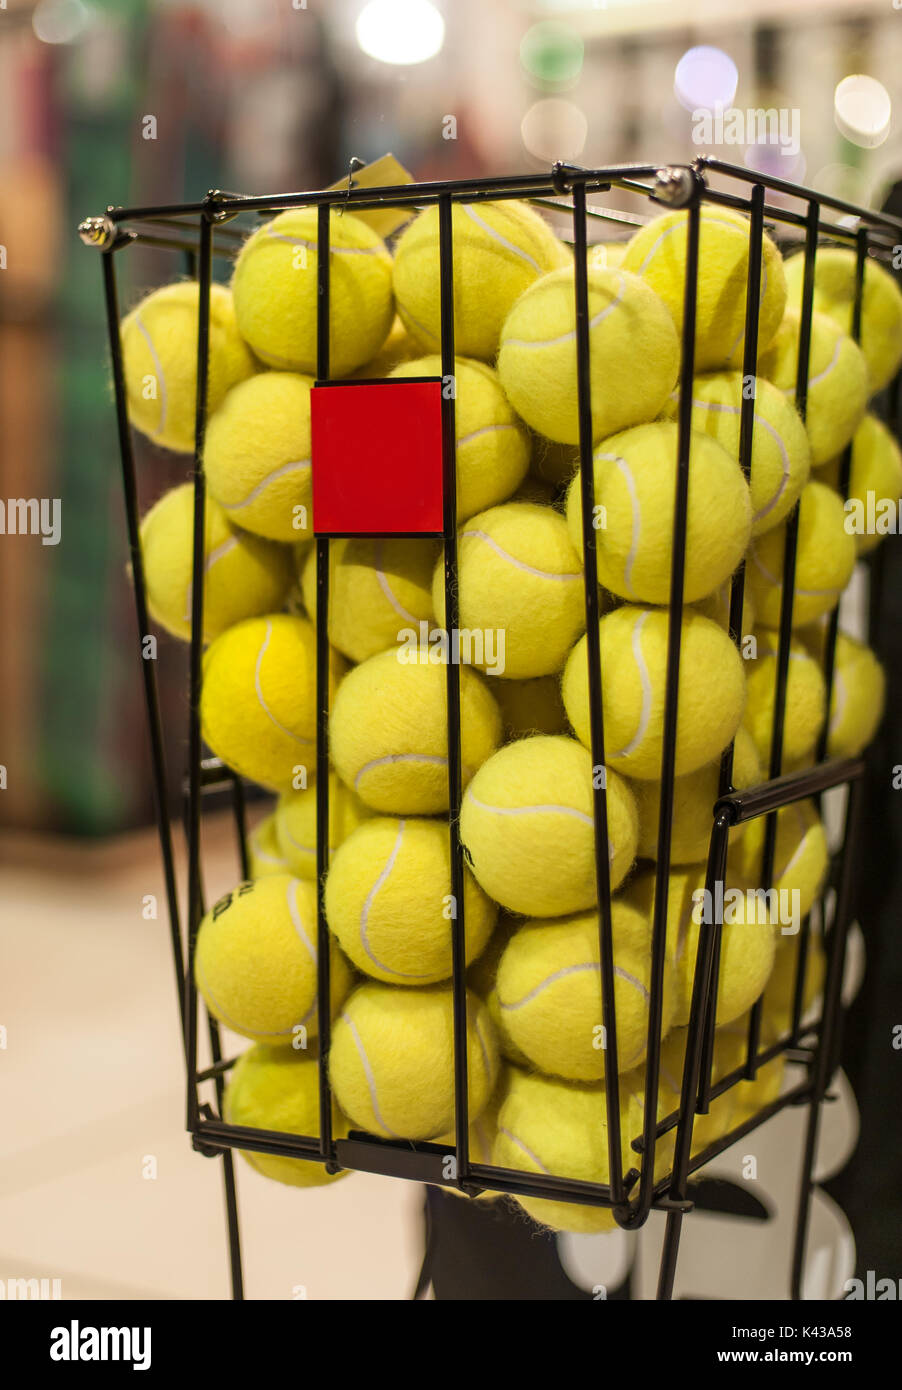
x=91, y=1090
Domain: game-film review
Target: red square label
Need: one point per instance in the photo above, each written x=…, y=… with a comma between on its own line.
x=377, y=458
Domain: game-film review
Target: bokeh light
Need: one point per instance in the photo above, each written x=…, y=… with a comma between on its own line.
x=862, y=110
x=552, y=54
x=400, y=31
x=775, y=161
x=554, y=129
x=705, y=78
x=60, y=21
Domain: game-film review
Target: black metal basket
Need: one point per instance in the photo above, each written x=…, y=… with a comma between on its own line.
x=197, y=230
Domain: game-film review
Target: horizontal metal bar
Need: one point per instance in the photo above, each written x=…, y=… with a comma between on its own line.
x=793, y=786
x=798, y=190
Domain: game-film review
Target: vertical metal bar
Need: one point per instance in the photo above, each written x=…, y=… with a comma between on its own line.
x=452, y=684
x=323, y=951
x=825, y=1057
x=148, y=673
x=596, y=711
x=195, y=889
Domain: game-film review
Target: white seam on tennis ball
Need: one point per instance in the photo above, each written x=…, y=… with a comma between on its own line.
x=304, y=849
x=538, y=808
x=840, y=694
x=814, y=380
x=163, y=397
x=263, y=855
x=264, y=484
x=298, y=738
x=382, y=581
x=217, y=553
x=482, y=1044
x=518, y=1143
x=512, y=559
x=502, y=241
x=645, y=712
x=760, y=423
x=314, y=246
x=805, y=593
x=566, y=970
x=485, y=429
x=435, y=758
x=803, y=828
x=636, y=513
x=220, y=1013
x=368, y=1075
x=291, y=897
x=680, y=225
x=566, y=337
x=368, y=902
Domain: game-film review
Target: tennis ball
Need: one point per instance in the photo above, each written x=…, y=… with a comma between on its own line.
x=806, y=699
x=706, y=1129
x=801, y=858
x=493, y=445
x=781, y=455
x=635, y=487
x=747, y=938
x=834, y=295
x=258, y=699
x=521, y=581
x=633, y=664
x=657, y=253
x=275, y=288
x=633, y=360
x=780, y=993
x=398, y=347
x=389, y=903
x=482, y=1135
x=825, y=559
x=837, y=381
x=482, y=979
x=159, y=357
x=263, y=852
x=875, y=484
x=257, y=456
x=378, y=587
x=295, y=824
x=275, y=1088
x=549, y=993
x=255, y=961
x=858, y=698
x=730, y=1051
x=389, y=730
x=607, y=254
x=243, y=575
x=559, y=1129
x=499, y=249
x=392, y=1060
x=528, y=828
x=717, y=607
x=693, y=804
x=531, y=706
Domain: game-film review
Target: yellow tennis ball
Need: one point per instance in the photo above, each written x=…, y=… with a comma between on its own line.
x=392, y=1060
x=276, y=1088
x=730, y=1052
x=559, y=1129
x=806, y=699
x=781, y=454
x=633, y=663
x=398, y=347
x=779, y=997
x=693, y=804
x=837, y=381
x=549, y=993
x=706, y=1129
x=825, y=559
x=834, y=294
x=858, y=699
x=379, y=587
x=531, y=706
x=159, y=354
x=258, y=699
x=657, y=253
x=499, y=250
x=633, y=363
x=295, y=824
x=607, y=254
x=635, y=486
x=717, y=607
x=255, y=961
x=521, y=593
x=482, y=1135
x=528, y=829
x=275, y=288
x=243, y=575
x=801, y=858
x=389, y=903
x=263, y=853
x=257, y=456
x=482, y=976
x=389, y=730
x=493, y=445
x=875, y=484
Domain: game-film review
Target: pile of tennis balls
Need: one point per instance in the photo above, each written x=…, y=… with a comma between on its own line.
x=535, y=1048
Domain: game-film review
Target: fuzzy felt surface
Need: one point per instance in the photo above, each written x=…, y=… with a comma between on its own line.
x=392, y=1060
x=377, y=588
x=834, y=295
x=263, y=852
x=858, y=699
x=634, y=354
x=295, y=824
x=388, y=901
x=801, y=858
x=876, y=469
x=527, y=826
x=806, y=699
x=825, y=559
x=837, y=381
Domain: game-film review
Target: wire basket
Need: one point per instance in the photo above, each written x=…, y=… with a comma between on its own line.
x=200, y=232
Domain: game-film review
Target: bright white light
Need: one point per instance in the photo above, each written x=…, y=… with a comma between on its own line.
x=400, y=31
x=862, y=110
x=705, y=78
x=60, y=21
x=554, y=129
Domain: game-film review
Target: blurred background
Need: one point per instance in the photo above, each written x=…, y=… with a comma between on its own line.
x=137, y=102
